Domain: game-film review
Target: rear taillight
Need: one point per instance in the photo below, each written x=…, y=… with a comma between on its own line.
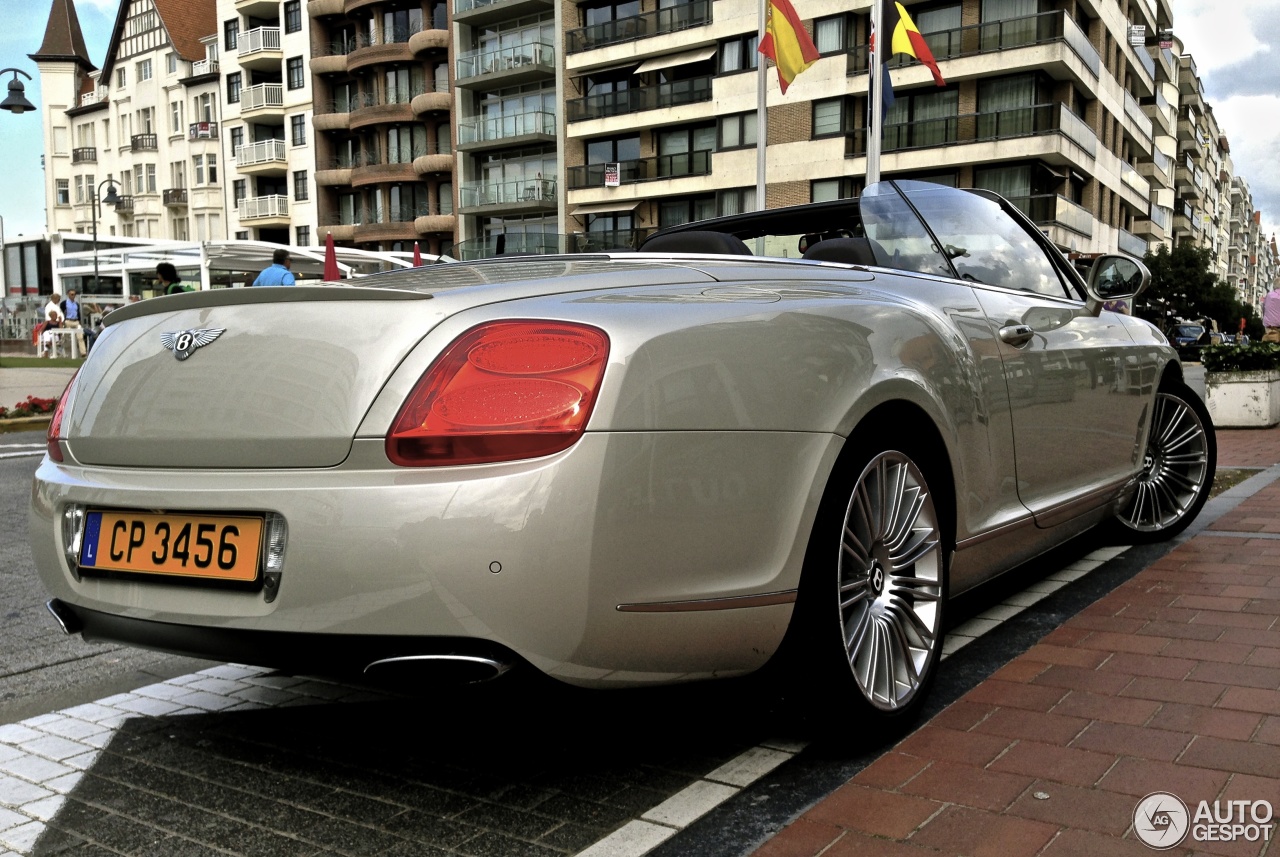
x=502, y=391
x=55, y=424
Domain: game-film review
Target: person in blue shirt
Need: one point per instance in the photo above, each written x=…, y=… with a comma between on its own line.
x=278, y=274
x=71, y=318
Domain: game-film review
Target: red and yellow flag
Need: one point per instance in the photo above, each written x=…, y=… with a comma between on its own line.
x=905, y=38
x=787, y=42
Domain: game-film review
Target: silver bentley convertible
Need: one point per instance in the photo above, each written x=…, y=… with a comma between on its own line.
x=792, y=433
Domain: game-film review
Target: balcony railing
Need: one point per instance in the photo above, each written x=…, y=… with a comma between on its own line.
x=257, y=40
x=1051, y=209
x=691, y=91
x=256, y=207
x=501, y=127
x=262, y=95
x=1161, y=216
x=545, y=243
x=696, y=163
x=84, y=155
x=202, y=131
x=1004, y=35
x=540, y=54
x=508, y=193
x=93, y=97
x=200, y=67
x=981, y=127
x=373, y=158
x=668, y=20
x=363, y=215
x=1141, y=122
x=175, y=196
x=261, y=152
x=1134, y=179
x=125, y=205
x=144, y=143
x=1131, y=244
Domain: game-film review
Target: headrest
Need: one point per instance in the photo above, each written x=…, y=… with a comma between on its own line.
x=850, y=251
x=696, y=242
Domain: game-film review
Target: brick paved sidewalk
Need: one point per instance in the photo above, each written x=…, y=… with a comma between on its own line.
x=1169, y=683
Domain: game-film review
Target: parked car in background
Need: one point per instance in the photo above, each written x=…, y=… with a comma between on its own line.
x=621, y=468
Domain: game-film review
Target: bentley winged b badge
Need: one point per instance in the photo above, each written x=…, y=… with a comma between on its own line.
x=185, y=342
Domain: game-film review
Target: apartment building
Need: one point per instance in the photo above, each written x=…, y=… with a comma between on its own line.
x=146, y=120
x=267, y=137
x=383, y=147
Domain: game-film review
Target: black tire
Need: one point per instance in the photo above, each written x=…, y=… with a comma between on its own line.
x=868, y=630
x=1178, y=468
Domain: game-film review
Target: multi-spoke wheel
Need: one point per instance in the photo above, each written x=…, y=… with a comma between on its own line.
x=872, y=597
x=1177, y=468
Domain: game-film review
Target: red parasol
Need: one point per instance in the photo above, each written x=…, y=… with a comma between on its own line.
x=417, y=255
x=331, y=271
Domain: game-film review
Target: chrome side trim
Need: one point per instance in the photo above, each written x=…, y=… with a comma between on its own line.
x=498, y=667
x=767, y=599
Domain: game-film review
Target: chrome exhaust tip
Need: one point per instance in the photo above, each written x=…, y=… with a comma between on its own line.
x=466, y=668
x=67, y=618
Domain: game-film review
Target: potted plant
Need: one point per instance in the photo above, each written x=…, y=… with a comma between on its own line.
x=1242, y=384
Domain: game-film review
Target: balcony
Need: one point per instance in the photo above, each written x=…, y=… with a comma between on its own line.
x=536, y=126
x=205, y=66
x=176, y=197
x=638, y=99
x=1053, y=210
x=520, y=195
x=374, y=112
x=474, y=13
x=437, y=159
x=531, y=244
x=264, y=157
x=656, y=23
x=265, y=9
x=1131, y=244
x=373, y=171
x=84, y=155
x=1044, y=29
x=144, y=143
x=324, y=8
x=202, y=131
x=331, y=57
x=265, y=210
x=331, y=116
x=696, y=163
x=508, y=66
x=125, y=206
x=93, y=97
x=992, y=126
x=259, y=48
x=429, y=40
x=262, y=99
x=392, y=46
x=437, y=99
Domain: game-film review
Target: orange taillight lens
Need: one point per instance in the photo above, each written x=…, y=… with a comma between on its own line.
x=55, y=423
x=502, y=391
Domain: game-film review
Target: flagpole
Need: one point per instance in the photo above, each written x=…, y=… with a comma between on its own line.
x=762, y=113
x=875, y=94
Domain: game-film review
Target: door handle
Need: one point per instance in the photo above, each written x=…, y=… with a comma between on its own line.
x=1016, y=335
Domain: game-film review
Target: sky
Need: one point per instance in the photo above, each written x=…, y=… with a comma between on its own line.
x=1235, y=43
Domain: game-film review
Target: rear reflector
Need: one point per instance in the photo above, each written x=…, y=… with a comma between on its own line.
x=502, y=391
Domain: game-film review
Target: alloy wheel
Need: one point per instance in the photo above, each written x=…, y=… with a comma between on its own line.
x=1175, y=468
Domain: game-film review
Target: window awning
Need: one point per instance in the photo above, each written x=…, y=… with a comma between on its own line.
x=602, y=207
x=682, y=58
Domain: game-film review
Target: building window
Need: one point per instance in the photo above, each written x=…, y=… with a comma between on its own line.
x=144, y=70
x=737, y=131
x=292, y=16
x=212, y=162
x=302, y=236
x=300, y=185
x=197, y=161
x=172, y=60
x=828, y=117
x=239, y=189
x=299, y=126
x=178, y=227
x=293, y=67
x=122, y=78
x=831, y=35
x=824, y=190
x=237, y=140
x=242, y=236
x=151, y=178
x=736, y=201
x=233, y=88
x=203, y=105
x=178, y=174
x=739, y=54
x=175, y=117
x=230, y=33
x=64, y=191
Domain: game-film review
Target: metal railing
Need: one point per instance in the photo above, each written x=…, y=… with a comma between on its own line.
x=669, y=20
x=175, y=196
x=1052, y=209
x=200, y=67
x=364, y=215
x=1003, y=35
x=262, y=95
x=539, y=54
x=257, y=40
x=1008, y=124
x=637, y=99
x=508, y=193
x=125, y=205
x=254, y=207
x=84, y=155
x=261, y=152
x=500, y=127
x=696, y=163
x=144, y=143
x=202, y=131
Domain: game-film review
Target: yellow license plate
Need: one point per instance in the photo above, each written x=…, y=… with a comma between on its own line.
x=194, y=546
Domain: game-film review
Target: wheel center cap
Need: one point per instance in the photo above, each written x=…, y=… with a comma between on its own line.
x=877, y=579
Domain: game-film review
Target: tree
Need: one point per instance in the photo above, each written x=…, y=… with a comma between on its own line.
x=1182, y=287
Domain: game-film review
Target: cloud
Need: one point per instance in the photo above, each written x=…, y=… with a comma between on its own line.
x=1220, y=34
x=107, y=7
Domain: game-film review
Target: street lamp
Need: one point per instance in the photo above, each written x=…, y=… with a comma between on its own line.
x=17, y=101
x=111, y=199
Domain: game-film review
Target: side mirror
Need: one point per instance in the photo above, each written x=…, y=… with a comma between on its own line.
x=1114, y=278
